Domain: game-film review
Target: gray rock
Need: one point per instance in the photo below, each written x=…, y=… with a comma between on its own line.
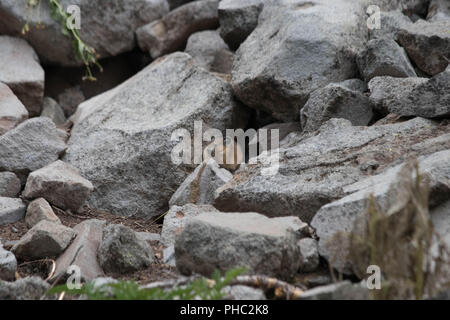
x=51, y=109
x=239, y=292
x=108, y=26
x=10, y=186
x=427, y=44
x=313, y=170
x=223, y=62
x=384, y=57
x=391, y=22
x=122, y=251
x=217, y=240
x=82, y=252
x=238, y=18
x=11, y=210
x=204, y=46
x=12, y=111
x=109, y=131
x=296, y=48
x=29, y=288
x=438, y=10
x=200, y=186
x=39, y=210
x=148, y=236
x=170, y=33
x=173, y=4
x=60, y=184
x=45, y=240
x=441, y=221
x=344, y=290
x=8, y=265
x=176, y=218
x=169, y=256
x=309, y=255
x=30, y=146
x=420, y=97
x=335, y=101
x=21, y=70
x=339, y=216
x=69, y=100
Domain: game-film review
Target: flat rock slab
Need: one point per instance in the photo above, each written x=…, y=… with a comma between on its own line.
x=60, y=184
x=11, y=210
x=21, y=71
x=32, y=145
x=12, y=111
x=170, y=33
x=223, y=241
x=313, y=170
x=82, y=252
x=45, y=240
x=122, y=140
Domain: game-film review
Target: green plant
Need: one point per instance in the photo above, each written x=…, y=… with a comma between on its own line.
x=202, y=288
x=83, y=51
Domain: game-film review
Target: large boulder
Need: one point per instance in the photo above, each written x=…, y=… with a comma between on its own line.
x=228, y=240
x=238, y=18
x=107, y=25
x=82, y=253
x=336, y=100
x=32, y=145
x=10, y=186
x=121, y=140
x=122, y=250
x=296, y=48
x=60, y=184
x=427, y=44
x=170, y=33
x=339, y=216
x=45, y=240
x=12, y=111
x=421, y=97
x=313, y=170
x=21, y=71
x=11, y=210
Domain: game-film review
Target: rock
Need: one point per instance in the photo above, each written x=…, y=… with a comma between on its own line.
x=297, y=47
x=200, y=186
x=427, y=44
x=45, y=240
x=216, y=240
x=313, y=170
x=438, y=10
x=341, y=214
x=441, y=221
x=169, y=256
x=21, y=71
x=10, y=186
x=238, y=18
x=173, y=4
x=170, y=33
x=335, y=101
x=223, y=62
x=176, y=218
x=82, y=252
x=29, y=288
x=69, y=100
x=60, y=184
x=309, y=255
x=39, y=210
x=284, y=132
x=122, y=251
x=51, y=109
x=11, y=210
x=391, y=22
x=30, y=146
x=12, y=111
x=8, y=265
x=239, y=292
x=109, y=131
x=344, y=290
x=384, y=57
x=148, y=236
x=204, y=46
x=106, y=26
x=420, y=97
